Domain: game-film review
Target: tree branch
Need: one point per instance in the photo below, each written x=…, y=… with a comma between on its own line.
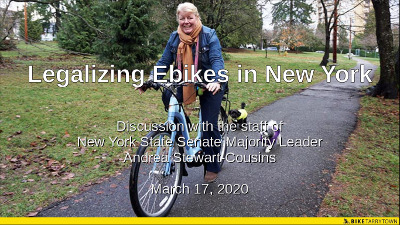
x=5, y=12
x=3, y=22
x=36, y=1
x=359, y=3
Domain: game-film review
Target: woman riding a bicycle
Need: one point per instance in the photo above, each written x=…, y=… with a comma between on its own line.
x=198, y=45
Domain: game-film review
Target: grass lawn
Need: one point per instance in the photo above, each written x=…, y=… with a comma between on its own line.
x=40, y=161
x=366, y=182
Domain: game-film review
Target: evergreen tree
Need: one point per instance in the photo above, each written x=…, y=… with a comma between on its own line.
x=236, y=22
x=343, y=40
x=312, y=39
x=292, y=12
x=368, y=37
x=44, y=10
x=356, y=42
x=242, y=27
x=288, y=14
x=320, y=35
x=35, y=28
x=124, y=41
x=79, y=33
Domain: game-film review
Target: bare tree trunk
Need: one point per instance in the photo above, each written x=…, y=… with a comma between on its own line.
x=291, y=14
x=328, y=28
x=325, y=58
x=397, y=69
x=387, y=85
x=58, y=17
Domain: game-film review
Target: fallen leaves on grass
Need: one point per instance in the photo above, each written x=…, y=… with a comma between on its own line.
x=50, y=162
x=68, y=176
x=28, y=57
x=55, y=167
x=14, y=134
x=69, y=144
x=37, y=147
x=8, y=193
x=83, y=150
x=14, y=160
x=66, y=135
x=17, y=161
x=59, y=58
x=7, y=64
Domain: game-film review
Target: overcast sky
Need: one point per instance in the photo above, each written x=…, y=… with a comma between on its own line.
x=13, y=5
x=267, y=12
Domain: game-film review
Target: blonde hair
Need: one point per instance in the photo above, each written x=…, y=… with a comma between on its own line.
x=187, y=7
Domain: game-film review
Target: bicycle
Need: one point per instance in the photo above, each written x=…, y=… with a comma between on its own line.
x=161, y=163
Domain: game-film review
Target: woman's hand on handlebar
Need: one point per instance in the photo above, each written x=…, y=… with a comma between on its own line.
x=148, y=84
x=213, y=87
x=141, y=90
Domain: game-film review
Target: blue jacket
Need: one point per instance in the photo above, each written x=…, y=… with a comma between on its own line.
x=211, y=54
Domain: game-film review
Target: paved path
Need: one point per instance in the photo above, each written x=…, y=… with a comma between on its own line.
x=293, y=186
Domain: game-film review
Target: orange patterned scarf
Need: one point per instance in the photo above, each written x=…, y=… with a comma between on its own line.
x=185, y=53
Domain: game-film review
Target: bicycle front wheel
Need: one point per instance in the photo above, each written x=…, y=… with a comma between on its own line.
x=156, y=175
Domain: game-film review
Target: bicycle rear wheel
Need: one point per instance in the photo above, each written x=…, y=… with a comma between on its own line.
x=152, y=191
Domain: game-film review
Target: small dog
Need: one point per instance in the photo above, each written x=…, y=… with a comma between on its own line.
x=270, y=135
x=239, y=116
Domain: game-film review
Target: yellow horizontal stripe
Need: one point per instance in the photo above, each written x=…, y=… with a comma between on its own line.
x=201, y=220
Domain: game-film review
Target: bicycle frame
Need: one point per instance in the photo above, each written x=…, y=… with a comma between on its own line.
x=175, y=111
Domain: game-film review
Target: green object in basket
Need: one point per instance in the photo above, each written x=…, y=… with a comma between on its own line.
x=200, y=91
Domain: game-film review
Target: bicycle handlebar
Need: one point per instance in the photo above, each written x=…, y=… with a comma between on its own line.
x=168, y=85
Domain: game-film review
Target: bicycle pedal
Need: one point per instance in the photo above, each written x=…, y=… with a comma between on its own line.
x=197, y=161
